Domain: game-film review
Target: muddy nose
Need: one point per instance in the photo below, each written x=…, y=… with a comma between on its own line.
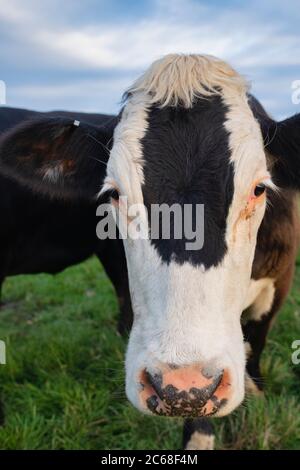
x=185, y=391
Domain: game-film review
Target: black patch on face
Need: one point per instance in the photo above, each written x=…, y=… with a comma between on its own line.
x=187, y=161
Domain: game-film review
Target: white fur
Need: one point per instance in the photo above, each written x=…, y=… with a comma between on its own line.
x=180, y=78
x=200, y=441
x=260, y=298
x=53, y=173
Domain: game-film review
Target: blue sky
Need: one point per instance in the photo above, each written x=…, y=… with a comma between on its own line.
x=81, y=55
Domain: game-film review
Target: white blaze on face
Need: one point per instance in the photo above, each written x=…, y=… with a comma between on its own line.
x=185, y=314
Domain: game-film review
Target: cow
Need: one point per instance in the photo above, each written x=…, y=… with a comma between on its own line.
x=189, y=133
x=39, y=234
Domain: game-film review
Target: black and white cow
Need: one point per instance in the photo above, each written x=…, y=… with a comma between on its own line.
x=189, y=133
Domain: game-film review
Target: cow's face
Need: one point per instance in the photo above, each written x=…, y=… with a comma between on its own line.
x=186, y=355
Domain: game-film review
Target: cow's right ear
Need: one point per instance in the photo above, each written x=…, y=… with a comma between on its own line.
x=57, y=156
x=282, y=142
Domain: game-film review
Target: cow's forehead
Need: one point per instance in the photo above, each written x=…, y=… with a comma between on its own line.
x=187, y=103
x=185, y=151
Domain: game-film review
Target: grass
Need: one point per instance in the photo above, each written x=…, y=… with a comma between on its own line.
x=63, y=385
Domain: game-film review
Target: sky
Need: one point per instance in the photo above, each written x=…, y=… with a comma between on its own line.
x=82, y=55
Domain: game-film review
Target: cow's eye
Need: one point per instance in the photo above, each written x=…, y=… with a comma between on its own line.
x=259, y=189
x=113, y=194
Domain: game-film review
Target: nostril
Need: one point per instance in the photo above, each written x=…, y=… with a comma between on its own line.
x=156, y=381
x=151, y=392
x=203, y=394
x=211, y=372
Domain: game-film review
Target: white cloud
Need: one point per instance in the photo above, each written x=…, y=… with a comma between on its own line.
x=41, y=34
x=180, y=26
x=13, y=12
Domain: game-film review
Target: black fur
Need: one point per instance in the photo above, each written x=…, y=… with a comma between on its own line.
x=282, y=141
x=11, y=117
x=187, y=161
x=78, y=154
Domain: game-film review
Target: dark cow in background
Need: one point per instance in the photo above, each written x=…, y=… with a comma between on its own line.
x=39, y=234
x=189, y=132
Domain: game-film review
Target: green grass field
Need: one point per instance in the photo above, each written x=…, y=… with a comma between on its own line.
x=63, y=385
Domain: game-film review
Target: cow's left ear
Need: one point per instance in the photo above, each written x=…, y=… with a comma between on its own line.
x=282, y=142
x=57, y=157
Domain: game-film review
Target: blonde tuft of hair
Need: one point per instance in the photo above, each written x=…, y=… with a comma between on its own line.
x=178, y=79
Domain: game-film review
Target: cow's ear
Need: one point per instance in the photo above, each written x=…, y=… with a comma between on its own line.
x=282, y=142
x=57, y=156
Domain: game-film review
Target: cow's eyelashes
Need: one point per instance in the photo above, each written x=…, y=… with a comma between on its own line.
x=113, y=194
x=259, y=189
x=109, y=193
